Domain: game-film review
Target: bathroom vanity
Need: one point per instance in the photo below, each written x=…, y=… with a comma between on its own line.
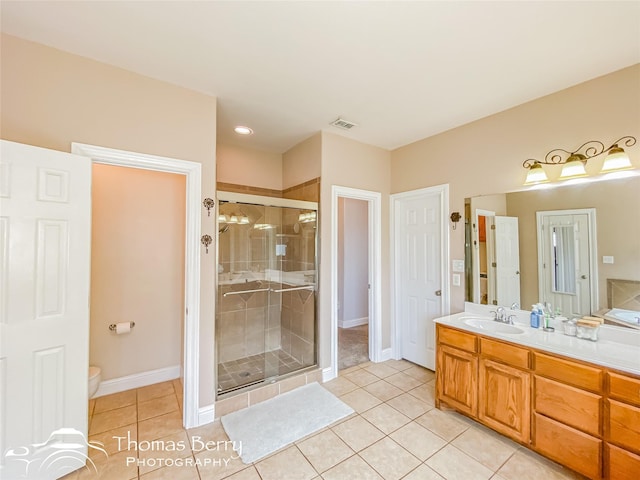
x=574, y=401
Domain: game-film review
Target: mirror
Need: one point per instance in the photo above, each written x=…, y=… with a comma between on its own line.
x=563, y=260
x=614, y=252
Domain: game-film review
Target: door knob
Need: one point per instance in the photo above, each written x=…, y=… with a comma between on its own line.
x=584, y=277
x=438, y=293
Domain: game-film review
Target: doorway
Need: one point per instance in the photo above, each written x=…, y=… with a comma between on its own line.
x=191, y=314
x=137, y=276
x=353, y=283
x=373, y=201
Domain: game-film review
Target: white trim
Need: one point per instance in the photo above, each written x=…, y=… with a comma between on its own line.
x=206, y=414
x=387, y=354
x=443, y=192
x=328, y=374
x=267, y=201
x=374, y=201
x=354, y=322
x=137, y=380
x=593, y=250
x=193, y=174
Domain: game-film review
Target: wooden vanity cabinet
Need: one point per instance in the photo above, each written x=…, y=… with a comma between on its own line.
x=581, y=415
x=504, y=389
x=457, y=372
x=622, y=427
x=568, y=413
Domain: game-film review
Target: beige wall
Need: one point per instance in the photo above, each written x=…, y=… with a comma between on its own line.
x=51, y=98
x=486, y=156
x=302, y=162
x=137, y=269
x=247, y=166
x=617, y=205
x=348, y=163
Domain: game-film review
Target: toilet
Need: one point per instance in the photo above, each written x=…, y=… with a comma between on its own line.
x=94, y=380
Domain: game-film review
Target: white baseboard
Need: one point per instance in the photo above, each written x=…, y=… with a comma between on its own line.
x=206, y=414
x=137, y=380
x=354, y=322
x=328, y=374
x=387, y=354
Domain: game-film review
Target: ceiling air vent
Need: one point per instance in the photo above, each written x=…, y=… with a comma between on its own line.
x=343, y=124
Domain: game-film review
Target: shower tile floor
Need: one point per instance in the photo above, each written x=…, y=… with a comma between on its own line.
x=248, y=370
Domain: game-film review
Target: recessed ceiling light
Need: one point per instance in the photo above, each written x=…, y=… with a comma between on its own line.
x=241, y=130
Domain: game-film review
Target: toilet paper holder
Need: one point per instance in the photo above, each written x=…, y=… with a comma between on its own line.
x=112, y=327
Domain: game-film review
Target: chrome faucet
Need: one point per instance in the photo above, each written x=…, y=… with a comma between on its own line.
x=499, y=315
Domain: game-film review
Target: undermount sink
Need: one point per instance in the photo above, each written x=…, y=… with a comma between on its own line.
x=493, y=326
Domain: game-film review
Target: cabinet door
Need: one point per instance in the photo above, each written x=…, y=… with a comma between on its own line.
x=505, y=399
x=457, y=379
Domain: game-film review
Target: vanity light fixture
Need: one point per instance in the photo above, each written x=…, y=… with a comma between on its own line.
x=536, y=174
x=241, y=219
x=306, y=217
x=573, y=163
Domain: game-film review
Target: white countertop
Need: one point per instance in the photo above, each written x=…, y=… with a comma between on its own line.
x=617, y=347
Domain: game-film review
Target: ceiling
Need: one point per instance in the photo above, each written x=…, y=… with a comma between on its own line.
x=402, y=71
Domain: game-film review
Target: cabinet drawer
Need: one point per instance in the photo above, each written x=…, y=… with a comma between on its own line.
x=621, y=465
x=624, y=388
x=455, y=338
x=569, y=405
x=624, y=425
x=516, y=356
x=573, y=373
x=577, y=450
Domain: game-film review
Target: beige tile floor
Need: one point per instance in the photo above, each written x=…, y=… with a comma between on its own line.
x=395, y=433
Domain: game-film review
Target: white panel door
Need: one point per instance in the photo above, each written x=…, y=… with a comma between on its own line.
x=45, y=235
x=565, y=269
x=507, y=260
x=419, y=282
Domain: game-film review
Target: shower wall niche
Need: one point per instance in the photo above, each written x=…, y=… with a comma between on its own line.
x=267, y=278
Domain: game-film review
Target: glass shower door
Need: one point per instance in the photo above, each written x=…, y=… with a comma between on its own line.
x=265, y=314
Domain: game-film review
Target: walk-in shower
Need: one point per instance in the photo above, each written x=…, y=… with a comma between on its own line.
x=266, y=300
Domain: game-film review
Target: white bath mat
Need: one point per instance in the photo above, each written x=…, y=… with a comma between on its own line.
x=270, y=425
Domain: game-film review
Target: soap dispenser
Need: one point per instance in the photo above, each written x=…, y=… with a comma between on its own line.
x=534, y=318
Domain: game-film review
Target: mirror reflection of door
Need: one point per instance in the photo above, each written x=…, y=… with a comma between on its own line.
x=497, y=275
x=506, y=266
x=480, y=256
x=564, y=266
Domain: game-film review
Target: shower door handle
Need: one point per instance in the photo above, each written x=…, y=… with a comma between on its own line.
x=245, y=291
x=306, y=287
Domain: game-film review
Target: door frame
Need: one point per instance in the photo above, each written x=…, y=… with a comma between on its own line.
x=374, y=204
x=442, y=191
x=193, y=174
x=593, y=249
x=475, y=252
